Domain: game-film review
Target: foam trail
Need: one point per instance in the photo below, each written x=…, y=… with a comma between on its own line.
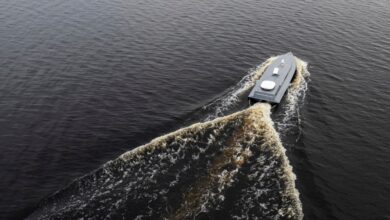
x=294, y=98
x=231, y=167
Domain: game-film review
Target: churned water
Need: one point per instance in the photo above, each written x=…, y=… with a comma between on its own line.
x=83, y=82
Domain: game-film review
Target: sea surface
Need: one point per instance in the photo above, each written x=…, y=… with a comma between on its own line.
x=83, y=83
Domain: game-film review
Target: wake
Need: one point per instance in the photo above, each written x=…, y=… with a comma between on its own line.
x=227, y=167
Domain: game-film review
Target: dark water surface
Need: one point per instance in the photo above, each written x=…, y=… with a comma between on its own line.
x=81, y=82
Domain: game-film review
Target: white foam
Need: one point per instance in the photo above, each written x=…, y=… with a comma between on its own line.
x=294, y=97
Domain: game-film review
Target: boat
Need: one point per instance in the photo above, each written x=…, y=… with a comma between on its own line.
x=273, y=84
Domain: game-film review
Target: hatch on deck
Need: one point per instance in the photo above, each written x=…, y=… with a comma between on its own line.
x=268, y=85
x=276, y=71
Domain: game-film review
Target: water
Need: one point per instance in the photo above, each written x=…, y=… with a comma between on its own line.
x=231, y=167
x=83, y=82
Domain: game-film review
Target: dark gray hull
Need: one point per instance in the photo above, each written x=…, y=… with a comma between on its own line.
x=275, y=81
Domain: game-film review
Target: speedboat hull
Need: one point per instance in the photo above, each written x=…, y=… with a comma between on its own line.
x=273, y=84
